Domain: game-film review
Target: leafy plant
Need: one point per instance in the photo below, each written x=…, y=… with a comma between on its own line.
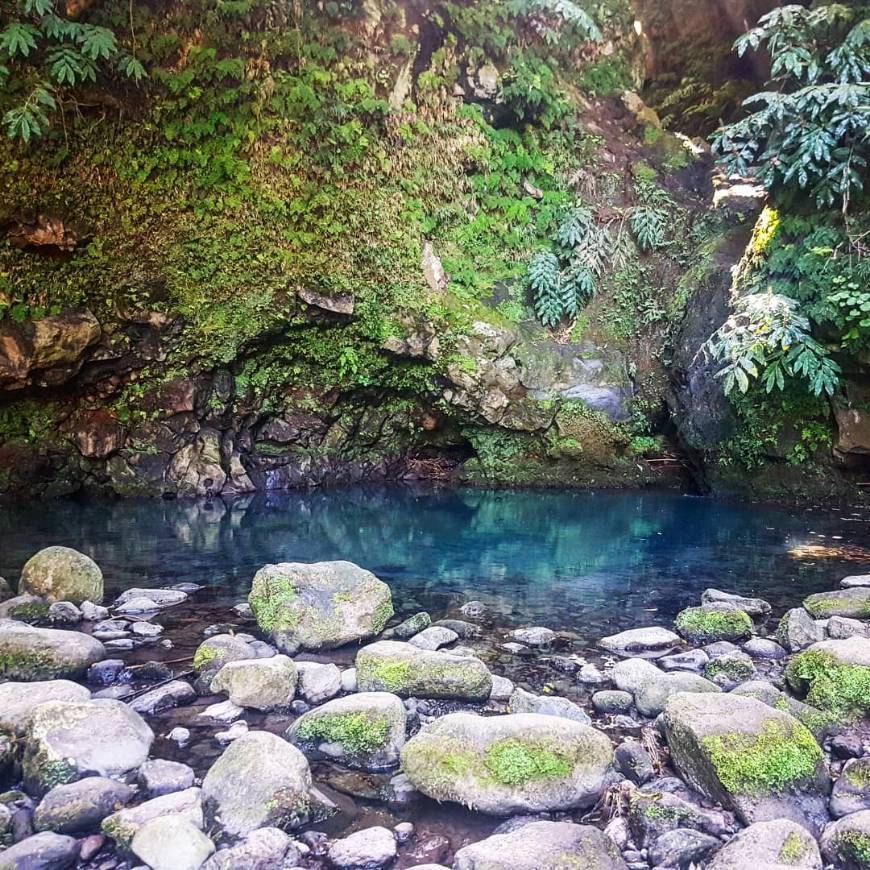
x=554, y=19
x=648, y=226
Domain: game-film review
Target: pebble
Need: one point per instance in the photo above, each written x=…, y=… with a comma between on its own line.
x=234, y=732
x=179, y=735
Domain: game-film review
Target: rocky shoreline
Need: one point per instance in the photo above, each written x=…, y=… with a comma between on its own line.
x=312, y=727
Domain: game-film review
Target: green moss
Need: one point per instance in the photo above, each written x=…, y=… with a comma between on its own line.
x=393, y=676
x=841, y=689
x=857, y=774
x=358, y=733
x=821, y=606
x=382, y=615
x=649, y=805
x=794, y=848
x=203, y=657
x=271, y=601
x=516, y=763
x=734, y=669
x=31, y=611
x=854, y=845
x=779, y=757
x=703, y=625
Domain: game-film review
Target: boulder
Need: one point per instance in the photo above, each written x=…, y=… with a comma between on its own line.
x=79, y=807
x=45, y=851
x=846, y=842
x=634, y=762
x=262, y=849
x=26, y=608
x=535, y=636
x=365, y=730
x=841, y=627
x=260, y=684
x=123, y=825
x=682, y=849
x=160, y=776
x=434, y=637
x=62, y=574
x=67, y=740
x=651, y=687
x=654, y=639
x=165, y=697
x=779, y=844
x=367, y=849
x=855, y=580
x=542, y=846
x=757, y=608
x=171, y=843
x=508, y=764
x=28, y=653
x=319, y=606
x=214, y=653
x=690, y=660
x=797, y=630
x=19, y=700
x=759, y=761
x=317, y=682
x=853, y=602
x=412, y=625
x=713, y=622
x=612, y=701
x=851, y=792
x=522, y=701
x=818, y=722
x=730, y=669
x=406, y=670
x=260, y=780
x=764, y=648
x=653, y=813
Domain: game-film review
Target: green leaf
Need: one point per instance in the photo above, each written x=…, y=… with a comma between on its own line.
x=18, y=39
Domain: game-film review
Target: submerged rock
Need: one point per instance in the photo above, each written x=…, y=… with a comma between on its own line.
x=535, y=636
x=260, y=684
x=779, y=844
x=62, y=574
x=28, y=653
x=319, y=606
x=19, y=700
x=507, y=764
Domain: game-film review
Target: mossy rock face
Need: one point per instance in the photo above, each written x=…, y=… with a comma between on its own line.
x=215, y=652
x=653, y=813
x=819, y=722
x=543, y=846
x=852, y=790
x=260, y=684
x=834, y=675
x=406, y=670
x=755, y=759
x=779, y=843
x=846, y=843
x=18, y=701
x=365, y=730
x=28, y=653
x=62, y=574
x=319, y=606
x=522, y=762
x=25, y=608
x=853, y=602
x=713, y=622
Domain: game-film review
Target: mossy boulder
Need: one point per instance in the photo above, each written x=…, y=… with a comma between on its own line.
x=757, y=760
x=80, y=806
x=319, y=606
x=779, y=844
x=25, y=608
x=846, y=843
x=18, y=701
x=652, y=814
x=123, y=825
x=261, y=684
x=522, y=762
x=853, y=602
x=852, y=790
x=259, y=781
x=67, y=740
x=713, y=622
x=834, y=675
x=542, y=846
x=365, y=730
x=62, y=574
x=820, y=723
x=215, y=652
x=757, y=608
x=406, y=670
x=28, y=653
x=651, y=687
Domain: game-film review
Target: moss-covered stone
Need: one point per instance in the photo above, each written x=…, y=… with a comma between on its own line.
x=852, y=602
x=62, y=574
x=28, y=653
x=710, y=623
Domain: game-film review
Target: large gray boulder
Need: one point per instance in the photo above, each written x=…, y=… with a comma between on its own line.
x=259, y=781
x=319, y=606
x=123, y=825
x=757, y=760
x=651, y=687
x=509, y=764
x=62, y=574
x=19, y=700
x=67, y=740
x=80, y=806
x=406, y=670
x=846, y=842
x=365, y=730
x=775, y=845
x=260, y=684
x=171, y=843
x=44, y=851
x=542, y=846
x=797, y=630
x=28, y=653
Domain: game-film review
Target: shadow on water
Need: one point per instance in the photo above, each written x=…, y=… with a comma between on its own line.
x=589, y=562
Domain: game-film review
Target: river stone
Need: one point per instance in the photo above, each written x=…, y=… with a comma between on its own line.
x=263, y=849
x=367, y=849
x=318, y=682
x=851, y=792
x=80, y=806
x=165, y=697
x=819, y=722
x=26, y=608
x=797, y=630
x=535, y=636
x=542, y=846
x=522, y=701
x=730, y=669
x=406, y=670
x=365, y=730
x=682, y=849
x=123, y=825
x=854, y=602
x=215, y=652
x=842, y=627
x=260, y=780
x=465, y=630
x=31, y=654
x=159, y=598
x=779, y=844
x=846, y=842
x=260, y=684
x=651, y=687
x=45, y=851
x=855, y=580
x=412, y=625
x=757, y=608
x=691, y=660
x=64, y=613
x=634, y=762
x=171, y=843
x=160, y=776
x=652, y=639
x=434, y=637
x=67, y=740
x=612, y=701
x=764, y=648
x=521, y=762
x=19, y=700
x=502, y=688
x=651, y=814
x=757, y=760
x=62, y=574
x=713, y=622
x=319, y=606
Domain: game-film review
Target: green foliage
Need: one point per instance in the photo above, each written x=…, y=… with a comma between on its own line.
x=648, y=226
x=703, y=625
x=832, y=685
x=517, y=763
x=358, y=733
x=530, y=90
x=811, y=130
x=555, y=20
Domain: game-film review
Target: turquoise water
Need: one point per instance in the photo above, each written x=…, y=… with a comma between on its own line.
x=589, y=562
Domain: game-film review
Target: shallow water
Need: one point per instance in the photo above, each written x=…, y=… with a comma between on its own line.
x=588, y=562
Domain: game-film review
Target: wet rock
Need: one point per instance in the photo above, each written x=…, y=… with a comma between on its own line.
x=171, y=843
x=28, y=653
x=159, y=777
x=262, y=849
x=636, y=640
x=634, y=762
x=764, y=648
x=404, y=831
x=651, y=687
x=691, y=660
x=45, y=851
x=612, y=701
x=123, y=825
x=412, y=625
x=338, y=303
x=536, y=636
x=19, y=700
x=174, y=694
x=365, y=850
x=261, y=684
x=158, y=599
x=730, y=670
x=434, y=637
x=847, y=746
x=477, y=609
x=522, y=701
x=317, y=682
x=682, y=849
x=713, y=622
x=846, y=842
x=842, y=627
x=502, y=688
x=365, y=730
x=797, y=630
x=27, y=608
x=92, y=612
x=465, y=630
x=506, y=764
x=80, y=806
x=745, y=755
x=406, y=670
x=652, y=813
x=234, y=732
x=64, y=613
x=62, y=574
x=778, y=845
x=215, y=652
x=818, y=722
x=146, y=629
x=591, y=675
x=757, y=608
x=542, y=846
x=179, y=735
x=225, y=711
x=855, y=580
x=260, y=780
x=67, y=740
x=851, y=792
x=319, y=606
x=852, y=602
